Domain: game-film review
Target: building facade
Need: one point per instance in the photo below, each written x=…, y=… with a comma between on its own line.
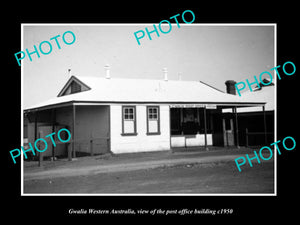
x=114, y=115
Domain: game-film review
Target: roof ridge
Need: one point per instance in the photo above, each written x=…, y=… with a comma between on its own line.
x=140, y=78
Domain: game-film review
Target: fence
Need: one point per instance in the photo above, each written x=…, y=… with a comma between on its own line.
x=87, y=146
x=69, y=151
x=260, y=138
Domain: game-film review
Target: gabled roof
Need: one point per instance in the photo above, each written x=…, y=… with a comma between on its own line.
x=67, y=86
x=121, y=90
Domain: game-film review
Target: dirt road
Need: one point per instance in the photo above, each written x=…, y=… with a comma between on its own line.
x=213, y=172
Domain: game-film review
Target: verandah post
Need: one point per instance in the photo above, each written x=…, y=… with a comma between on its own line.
x=40, y=134
x=205, y=129
x=236, y=126
x=265, y=126
x=91, y=145
x=72, y=150
x=247, y=143
x=74, y=129
x=53, y=118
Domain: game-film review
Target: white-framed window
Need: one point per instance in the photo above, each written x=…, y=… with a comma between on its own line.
x=129, y=120
x=153, y=120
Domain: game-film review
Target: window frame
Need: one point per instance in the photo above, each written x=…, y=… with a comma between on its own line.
x=157, y=107
x=128, y=119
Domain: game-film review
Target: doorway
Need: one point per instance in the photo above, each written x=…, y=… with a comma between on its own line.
x=228, y=131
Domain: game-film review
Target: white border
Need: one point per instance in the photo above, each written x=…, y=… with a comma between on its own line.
x=22, y=114
x=275, y=110
x=158, y=194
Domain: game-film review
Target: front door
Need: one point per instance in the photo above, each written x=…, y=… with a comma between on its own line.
x=228, y=132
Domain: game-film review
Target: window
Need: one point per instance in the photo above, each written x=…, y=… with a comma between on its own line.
x=128, y=113
x=152, y=113
x=153, y=123
x=128, y=120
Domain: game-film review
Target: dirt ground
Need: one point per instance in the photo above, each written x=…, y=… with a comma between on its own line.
x=187, y=178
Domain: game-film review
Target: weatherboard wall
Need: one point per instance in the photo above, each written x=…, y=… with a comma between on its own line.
x=141, y=141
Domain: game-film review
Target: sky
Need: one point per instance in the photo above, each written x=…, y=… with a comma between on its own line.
x=198, y=52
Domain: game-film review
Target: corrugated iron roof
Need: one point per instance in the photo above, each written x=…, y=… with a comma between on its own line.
x=263, y=94
x=118, y=90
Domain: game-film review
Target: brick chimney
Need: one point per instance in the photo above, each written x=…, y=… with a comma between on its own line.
x=230, y=88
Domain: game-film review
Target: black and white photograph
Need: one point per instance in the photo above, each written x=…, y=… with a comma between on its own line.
x=149, y=111
x=158, y=116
